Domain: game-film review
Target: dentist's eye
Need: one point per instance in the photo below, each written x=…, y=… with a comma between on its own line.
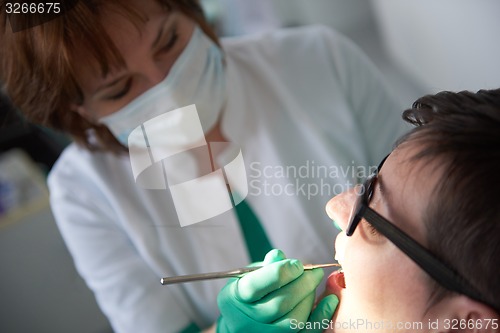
x=174, y=36
x=122, y=92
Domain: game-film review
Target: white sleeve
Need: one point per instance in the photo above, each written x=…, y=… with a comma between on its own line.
x=375, y=108
x=127, y=290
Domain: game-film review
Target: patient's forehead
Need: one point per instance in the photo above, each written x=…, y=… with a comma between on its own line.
x=409, y=186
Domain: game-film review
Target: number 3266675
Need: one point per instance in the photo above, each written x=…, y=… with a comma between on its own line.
x=33, y=8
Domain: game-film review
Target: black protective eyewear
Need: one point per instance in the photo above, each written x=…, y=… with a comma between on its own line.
x=438, y=270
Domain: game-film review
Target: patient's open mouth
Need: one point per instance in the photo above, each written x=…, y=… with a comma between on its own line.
x=339, y=278
x=335, y=282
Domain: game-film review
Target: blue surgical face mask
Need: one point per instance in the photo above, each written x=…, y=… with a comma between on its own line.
x=197, y=77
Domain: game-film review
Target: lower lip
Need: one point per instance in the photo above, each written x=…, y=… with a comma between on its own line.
x=335, y=283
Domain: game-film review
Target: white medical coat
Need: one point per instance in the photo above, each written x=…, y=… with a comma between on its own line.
x=298, y=99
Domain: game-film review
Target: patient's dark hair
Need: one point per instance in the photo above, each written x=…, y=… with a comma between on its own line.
x=462, y=132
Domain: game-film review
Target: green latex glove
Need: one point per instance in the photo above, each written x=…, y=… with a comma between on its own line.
x=275, y=298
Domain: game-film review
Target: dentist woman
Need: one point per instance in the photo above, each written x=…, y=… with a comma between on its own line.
x=288, y=99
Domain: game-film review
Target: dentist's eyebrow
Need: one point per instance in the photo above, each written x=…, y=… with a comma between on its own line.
x=112, y=83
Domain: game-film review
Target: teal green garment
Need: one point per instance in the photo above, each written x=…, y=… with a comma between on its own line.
x=191, y=328
x=255, y=237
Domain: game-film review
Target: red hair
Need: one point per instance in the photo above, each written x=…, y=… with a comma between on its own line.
x=37, y=65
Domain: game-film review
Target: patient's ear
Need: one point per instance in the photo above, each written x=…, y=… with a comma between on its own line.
x=474, y=316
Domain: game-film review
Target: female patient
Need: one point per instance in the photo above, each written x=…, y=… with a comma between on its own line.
x=420, y=240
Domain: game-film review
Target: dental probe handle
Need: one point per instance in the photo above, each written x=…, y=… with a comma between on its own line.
x=227, y=274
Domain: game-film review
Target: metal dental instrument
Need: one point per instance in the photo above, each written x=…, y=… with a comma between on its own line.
x=238, y=272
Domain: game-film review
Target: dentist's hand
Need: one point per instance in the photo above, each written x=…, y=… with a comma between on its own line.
x=276, y=298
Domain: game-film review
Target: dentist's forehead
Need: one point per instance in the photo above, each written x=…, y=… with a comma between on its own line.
x=128, y=32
